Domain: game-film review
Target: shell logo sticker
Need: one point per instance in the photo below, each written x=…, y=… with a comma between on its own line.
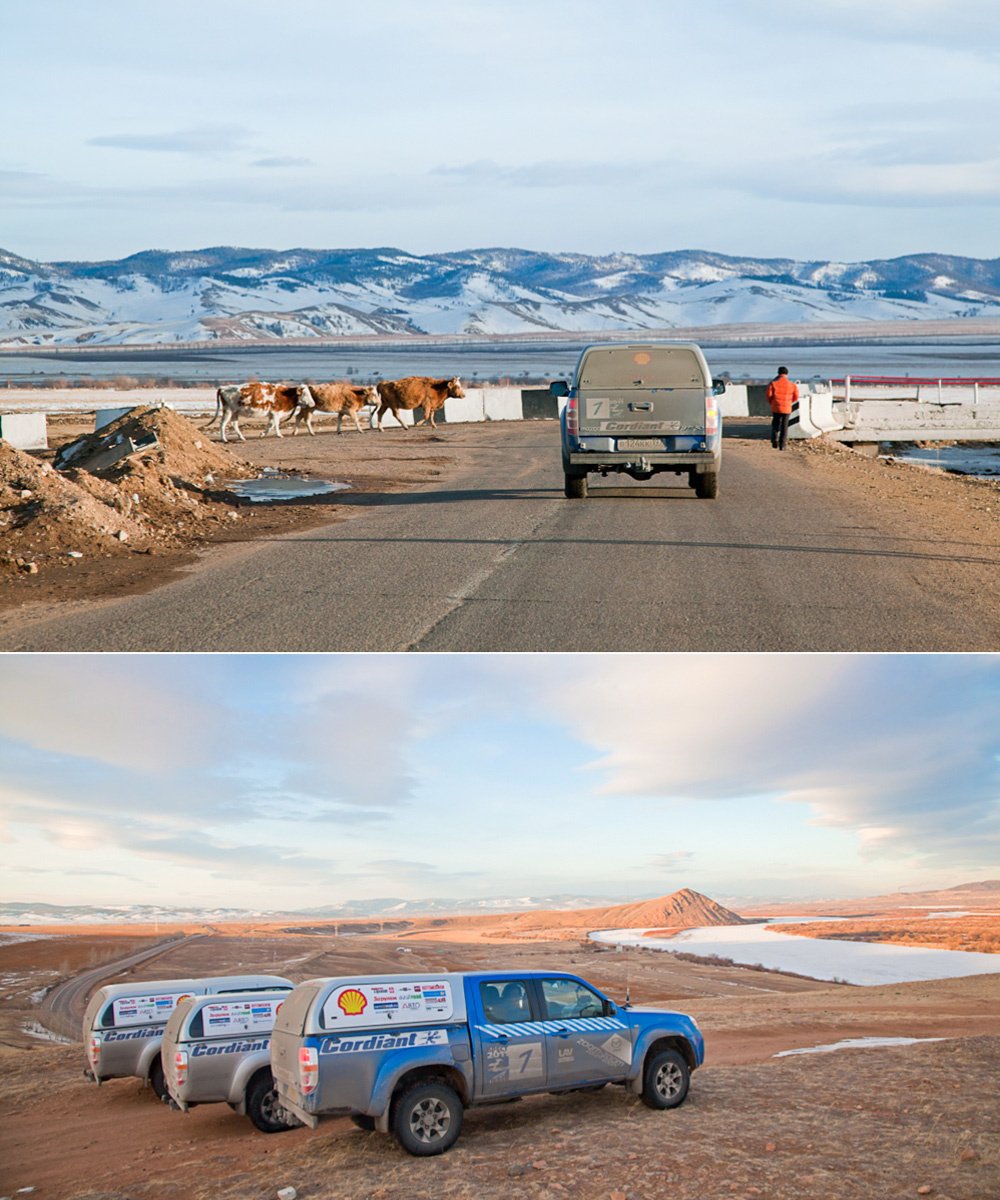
x=352, y=1003
x=186, y=996
x=642, y=358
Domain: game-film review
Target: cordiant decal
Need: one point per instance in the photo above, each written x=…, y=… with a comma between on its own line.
x=126, y=1035
x=204, y=1048
x=385, y=1041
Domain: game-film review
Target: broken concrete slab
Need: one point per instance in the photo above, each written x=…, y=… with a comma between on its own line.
x=25, y=431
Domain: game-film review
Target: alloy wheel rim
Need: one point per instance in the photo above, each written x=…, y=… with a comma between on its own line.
x=668, y=1080
x=429, y=1120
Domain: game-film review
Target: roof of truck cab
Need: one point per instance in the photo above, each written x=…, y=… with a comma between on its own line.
x=113, y=991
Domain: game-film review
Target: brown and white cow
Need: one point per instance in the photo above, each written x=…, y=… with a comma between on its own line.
x=416, y=391
x=340, y=398
x=276, y=400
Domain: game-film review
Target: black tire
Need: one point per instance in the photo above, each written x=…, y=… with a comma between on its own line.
x=156, y=1080
x=363, y=1121
x=427, y=1119
x=576, y=487
x=665, y=1080
x=706, y=486
x=263, y=1107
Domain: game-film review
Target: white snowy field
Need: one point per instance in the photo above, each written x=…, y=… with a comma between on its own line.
x=865, y=963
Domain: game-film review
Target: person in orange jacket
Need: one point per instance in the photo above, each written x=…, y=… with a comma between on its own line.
x=782, y=393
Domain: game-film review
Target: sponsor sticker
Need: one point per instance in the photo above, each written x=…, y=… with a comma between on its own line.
x=389, y=1003
x=239, y=1016
x=145, y=1010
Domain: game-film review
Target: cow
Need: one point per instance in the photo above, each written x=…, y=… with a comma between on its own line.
x=416, y=391
x=277, y=400
x=340, y=398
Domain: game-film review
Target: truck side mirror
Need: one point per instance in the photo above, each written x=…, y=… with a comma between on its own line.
x=609, y=1008
x=559, y=387
x=718, y=387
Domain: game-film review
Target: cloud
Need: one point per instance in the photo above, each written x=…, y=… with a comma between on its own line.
x=854, y=177
x=199, y=141
x=970, y=26
x=565, y=174
x=282, y=160
x=104, y=709
x=409, y=872
x=902, y=753
x=670, y=860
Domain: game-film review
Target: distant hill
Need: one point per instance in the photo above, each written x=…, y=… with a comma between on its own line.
x=232, y=292
x=684, y=909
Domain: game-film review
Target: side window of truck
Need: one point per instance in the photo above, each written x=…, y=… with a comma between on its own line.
x=505, y=1001
x=566, y=999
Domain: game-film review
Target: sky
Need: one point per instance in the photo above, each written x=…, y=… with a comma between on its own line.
x=838, y=129
x=288, y=782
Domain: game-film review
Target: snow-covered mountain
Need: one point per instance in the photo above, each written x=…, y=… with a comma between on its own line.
x=266, y=295
x=29, y=913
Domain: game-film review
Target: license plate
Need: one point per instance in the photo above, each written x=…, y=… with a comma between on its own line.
x=640, y=444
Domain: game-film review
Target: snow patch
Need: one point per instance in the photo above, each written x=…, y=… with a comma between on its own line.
x=860, y=1043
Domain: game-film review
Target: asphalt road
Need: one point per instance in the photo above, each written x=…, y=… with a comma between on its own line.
x=492, y=557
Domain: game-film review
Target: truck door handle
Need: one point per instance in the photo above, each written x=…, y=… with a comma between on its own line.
x=562, y=1031
x=641, y=406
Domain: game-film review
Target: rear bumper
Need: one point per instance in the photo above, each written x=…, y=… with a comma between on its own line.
x=289, y=1105
x=679, y=460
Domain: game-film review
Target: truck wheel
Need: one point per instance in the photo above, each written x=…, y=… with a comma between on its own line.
x=665, y=1080
x=156, y=1080
x=427, y=1119
x=263, y=1107
x=706, y=487
x=363, y=1121
x=576, y=487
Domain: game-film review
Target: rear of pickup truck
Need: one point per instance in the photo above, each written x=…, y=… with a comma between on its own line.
x=642, y=409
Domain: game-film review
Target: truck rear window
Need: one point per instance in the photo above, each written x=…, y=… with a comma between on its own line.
x=641, y=367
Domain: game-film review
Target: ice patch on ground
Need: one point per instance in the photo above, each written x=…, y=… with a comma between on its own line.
x=33, y=1029
x=855, y=1044
x=865, y=963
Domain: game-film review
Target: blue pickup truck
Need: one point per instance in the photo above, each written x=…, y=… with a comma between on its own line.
x=407, y=1054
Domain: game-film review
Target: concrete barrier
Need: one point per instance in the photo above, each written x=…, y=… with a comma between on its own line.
x=468, y=408
x=502, y=404
x=538, y=404
x=911, y=420
x=821, y=412
x=800, y=423
x=734, y=401
x=25, y=431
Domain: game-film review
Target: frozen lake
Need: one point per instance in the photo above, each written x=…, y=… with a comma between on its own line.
x=477, y=362
x=960, y=460
x=865, y=963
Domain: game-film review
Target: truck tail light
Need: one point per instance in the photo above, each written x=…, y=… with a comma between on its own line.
x=180, y=1066
x=308, y=1069
x=711, y=417
x=573, y=415
x=94, y=1051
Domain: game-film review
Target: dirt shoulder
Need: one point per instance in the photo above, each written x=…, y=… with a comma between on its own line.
x=131, y=528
